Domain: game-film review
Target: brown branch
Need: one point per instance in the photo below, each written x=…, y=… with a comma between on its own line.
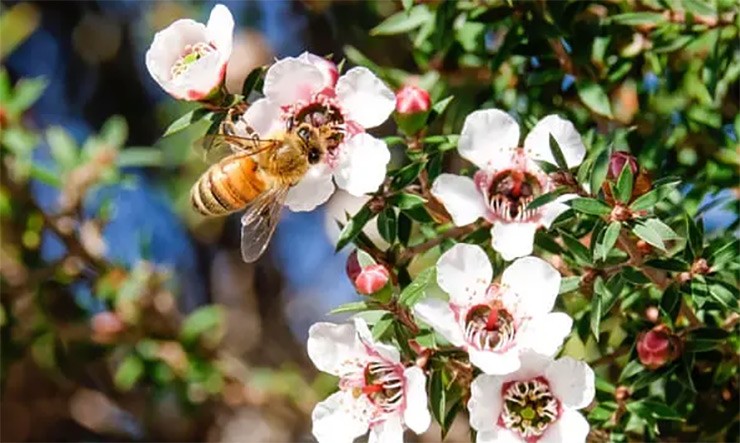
x=458, y=231
x=610, y=358
x=657, y=276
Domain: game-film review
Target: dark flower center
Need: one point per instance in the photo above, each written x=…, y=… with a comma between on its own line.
x=326, y=117
x=383, y=385
x=510, y=193
x=489, y=328
x=529, y=408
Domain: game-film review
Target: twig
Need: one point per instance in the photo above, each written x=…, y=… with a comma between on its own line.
x=610, y=358
x=636, y=259
x=458, y=231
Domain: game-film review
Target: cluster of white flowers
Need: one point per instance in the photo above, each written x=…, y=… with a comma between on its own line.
x=506, y=328
x=189, y=61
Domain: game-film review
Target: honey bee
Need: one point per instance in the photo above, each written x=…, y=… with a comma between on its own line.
x=255, y=174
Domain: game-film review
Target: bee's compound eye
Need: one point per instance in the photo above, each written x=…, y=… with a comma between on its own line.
x=314, y=156
x=303, y=133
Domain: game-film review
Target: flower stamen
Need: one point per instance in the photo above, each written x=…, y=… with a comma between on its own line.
x=489, y=328
x=191, y=54
x=529, y=408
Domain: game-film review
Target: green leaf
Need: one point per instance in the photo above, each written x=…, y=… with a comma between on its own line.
x=596, y=310
x=387, y=224
x=253, y=81
x=438, y=395
x=404, y=225
x=207, y=319
x=578, y=249
x=140, y=157
x=623, y=189
x=438, y=109
x=403, y=21
x=129, y=372
x=594, y=97
x=405, y=201
x=590, y=206
x=45, y=175
x=546, y=198
x=668, y=264
x=610, y=238
x=725, y=254
x=695, y=233
x=557, y=154
x=637, y=18
x=706, y=339
x=653, y=410
x=114, y=132
x=599, y=172
x=724, y=293
x=406, y=175
x=25, y=94
x=665, y=231
x=63, y=148
x=649, y=235
x=354, y=227
x=415, y=291
x=569, y=284
x=186, y=120
x=650, y=199
x=382, y=326
x=350, y=307
x=670, y=302
x=364, y=259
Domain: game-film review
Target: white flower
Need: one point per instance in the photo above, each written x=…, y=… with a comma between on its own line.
x=308, y=89
x=537, y=403
x=375, y=391
x=496, y=323
x=508, y=178
x=188, y=59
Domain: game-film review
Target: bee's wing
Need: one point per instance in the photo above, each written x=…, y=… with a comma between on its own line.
x=214, y=147
x=259, y=222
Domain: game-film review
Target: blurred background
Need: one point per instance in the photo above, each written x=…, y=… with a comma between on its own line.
x=128, y=317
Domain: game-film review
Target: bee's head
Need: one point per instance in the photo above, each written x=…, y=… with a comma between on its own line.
x=309, y=137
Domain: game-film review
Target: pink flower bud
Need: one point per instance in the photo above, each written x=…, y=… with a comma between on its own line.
x=412, y=99
x=617, y=162
x=353, y=266
x=105, y=326
x=371, y=279
x=656, y=347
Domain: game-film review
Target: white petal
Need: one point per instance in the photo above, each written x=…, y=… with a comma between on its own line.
x=495, y=363
x=537, y=143
x=570, y=427
x=572, y=382
x=371, y=346
x=388, y=431
x=290, y=80
x=167, y=47
x=460, y=197
x=536, y=283
x=327, y=68
x=361, y=166
x=532, y=365
x=513, y=240
x=263, y=116
x=220, y=30
x=485, y=402
x=498, y=435
x=330, y=345
x=334, y=420
x=364, y=98
x=464, y=272
x=552, y=210
x=416, y=415
x=202, y=78
x=314, y=189
x=545, y=333
x=488, y=139
x=437, y=314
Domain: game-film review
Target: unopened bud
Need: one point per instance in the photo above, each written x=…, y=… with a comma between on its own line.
x=371, y=279
x=700, y=267
x=106, y=326
x=617, y=162
x=412, y=99
x=652, y=314
x=622, y=393
x=657, y=347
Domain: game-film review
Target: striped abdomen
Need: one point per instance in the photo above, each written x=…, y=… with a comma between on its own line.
x=227, y=186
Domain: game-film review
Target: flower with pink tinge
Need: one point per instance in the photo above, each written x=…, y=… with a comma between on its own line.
x=376, y=392
x=412, y=99
x=188, y=59
x=537, y=403
x=495, y=323
x=508, y=178
x=617, y=162
x=307, y=89
x=657, y=347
